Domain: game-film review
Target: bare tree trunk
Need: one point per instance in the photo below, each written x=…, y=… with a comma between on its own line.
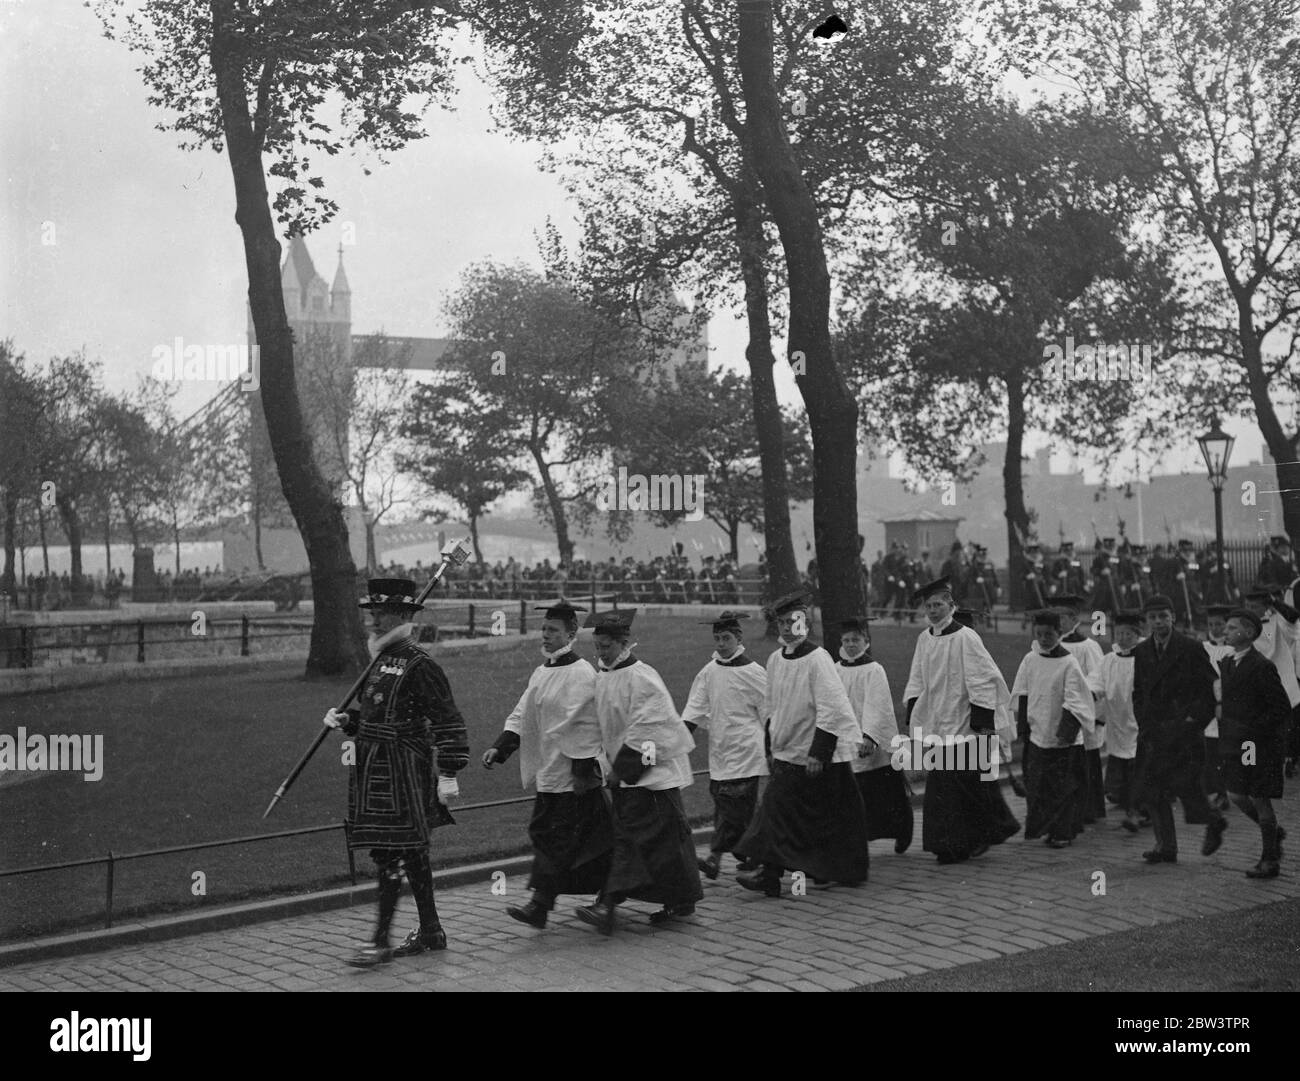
x=556, y=504
x=337, y=640
x=108, y=541
x=11, y=529
x=72, y=529
x=473, y=536
x=1280, y=445
x=45, y=547
x=1013, y=490
x=832, y=411
x=783, y=574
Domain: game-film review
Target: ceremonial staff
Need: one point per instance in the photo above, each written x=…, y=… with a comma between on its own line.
x=452, y=556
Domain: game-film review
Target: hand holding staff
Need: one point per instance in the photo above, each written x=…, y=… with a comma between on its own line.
x=454, y=555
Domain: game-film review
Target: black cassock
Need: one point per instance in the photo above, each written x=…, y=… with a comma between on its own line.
x=811, y=824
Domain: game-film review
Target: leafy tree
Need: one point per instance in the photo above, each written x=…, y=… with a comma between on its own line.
x=701, y=424
x=537, y=369
x=1214, y=85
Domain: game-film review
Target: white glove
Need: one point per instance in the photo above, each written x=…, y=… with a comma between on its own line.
x=448, y=788
x=334, y=719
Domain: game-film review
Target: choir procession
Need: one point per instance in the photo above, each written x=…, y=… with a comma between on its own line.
x=807, y=754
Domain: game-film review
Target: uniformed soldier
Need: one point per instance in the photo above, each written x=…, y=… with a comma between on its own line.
x=983, y=590
x=1277, y=567
x=1105, y=579
x=1067, y=571
x=1184, y=580
x=1036, y=585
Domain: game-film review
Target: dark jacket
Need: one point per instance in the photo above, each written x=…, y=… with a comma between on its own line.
x=1255, y=705
x=1171, y=688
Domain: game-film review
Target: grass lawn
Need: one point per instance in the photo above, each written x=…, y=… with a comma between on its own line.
x=1254, y=950
x=197, y=758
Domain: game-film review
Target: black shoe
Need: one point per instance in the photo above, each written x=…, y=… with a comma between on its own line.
x=761, y=882
x=978, y=851
x=902, y=845
x=1054, y=842
x=745, y=866
x=1156, y=856
x=1265, y=869
x=532, y=914
x=672, y=912
x=370, y=955
x=1213, y=836
x=419, y=941
x=709, y=867
x=600, y=915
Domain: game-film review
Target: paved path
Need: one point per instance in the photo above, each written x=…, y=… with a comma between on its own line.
x=913, y=916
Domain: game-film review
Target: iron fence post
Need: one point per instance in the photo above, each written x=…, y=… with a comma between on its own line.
x=471, y=619
x=108, y=901
x=139, y=641
x=523, y=616
x=243, y=636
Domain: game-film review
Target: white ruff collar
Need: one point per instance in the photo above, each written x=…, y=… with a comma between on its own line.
x=851, y=656
x=727, y=660
x=789, y=647
x=566, y=648
x=627, y=652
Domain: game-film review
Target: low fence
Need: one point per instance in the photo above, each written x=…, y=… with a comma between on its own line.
x=111, y=859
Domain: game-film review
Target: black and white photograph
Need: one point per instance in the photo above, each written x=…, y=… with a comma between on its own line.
x=651, y=495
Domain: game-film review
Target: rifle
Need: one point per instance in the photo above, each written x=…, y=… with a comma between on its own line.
x=454, y=555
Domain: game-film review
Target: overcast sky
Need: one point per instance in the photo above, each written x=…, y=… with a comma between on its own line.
x=144, y=244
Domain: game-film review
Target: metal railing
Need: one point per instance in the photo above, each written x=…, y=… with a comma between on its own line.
x=22, y=642
x=112, y=859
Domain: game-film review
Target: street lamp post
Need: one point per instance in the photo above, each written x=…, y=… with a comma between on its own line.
x=1216, y=447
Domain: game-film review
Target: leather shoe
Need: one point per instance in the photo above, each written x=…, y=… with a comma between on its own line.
x=370, y=955
x=532, y=914
x=1213, y=836
x=709, y=867
x=418, y=941
x=1156, y=856
x=1265, y=869
x=760, y=882
x=1055, y=842
x=672, y=912
x=978, y=851
x=600, y=915
x=745, y=866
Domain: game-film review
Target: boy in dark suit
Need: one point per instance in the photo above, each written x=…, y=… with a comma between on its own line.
x=1173, y=701
x=1252, y=729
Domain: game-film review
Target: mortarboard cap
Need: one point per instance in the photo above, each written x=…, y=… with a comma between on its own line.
x=789, y=603
x=861, y=624
x=614, y=623
x=561, y=609
x=1047, y=618
x=726, y=621
x=1260, y=592
x=939, y=585
x=1128, y=619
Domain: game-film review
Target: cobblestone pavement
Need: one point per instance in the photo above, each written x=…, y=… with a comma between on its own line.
x=912, y=916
